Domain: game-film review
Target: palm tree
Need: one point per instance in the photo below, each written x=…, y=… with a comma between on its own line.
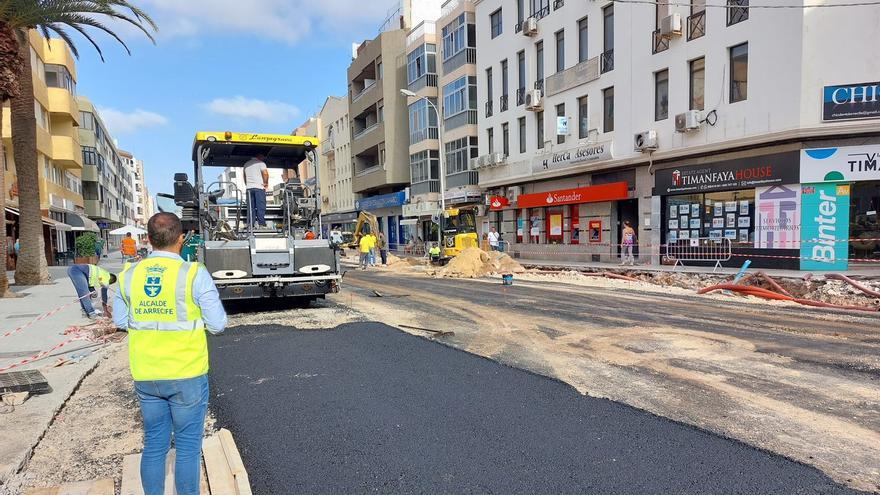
x=48, y=16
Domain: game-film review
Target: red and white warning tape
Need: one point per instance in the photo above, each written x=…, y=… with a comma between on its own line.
x=46, y=315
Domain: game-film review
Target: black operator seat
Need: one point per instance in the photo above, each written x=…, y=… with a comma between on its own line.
x=184, y=192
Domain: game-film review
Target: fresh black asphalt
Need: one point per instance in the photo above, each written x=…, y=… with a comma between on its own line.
x=365, y=408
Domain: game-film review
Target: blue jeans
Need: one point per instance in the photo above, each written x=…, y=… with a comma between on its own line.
x=79, y=275
x=257, y=200
x=181, y=406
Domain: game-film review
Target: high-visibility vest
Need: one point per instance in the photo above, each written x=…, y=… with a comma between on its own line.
x=98, y=277
x=166, y=333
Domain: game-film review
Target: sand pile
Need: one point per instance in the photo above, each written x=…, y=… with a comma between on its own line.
x=475, y=263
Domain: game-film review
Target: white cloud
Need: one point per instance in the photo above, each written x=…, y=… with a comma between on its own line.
x=120, y=122
x=288, y=21
x=253, y=109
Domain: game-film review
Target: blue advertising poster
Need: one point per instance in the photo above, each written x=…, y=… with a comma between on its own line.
x=824, y=226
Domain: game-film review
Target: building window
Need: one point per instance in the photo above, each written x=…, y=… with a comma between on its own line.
x=583, y=43
x=422, y=121
x=380, y=112
x=522, y=134
x=57, y=76
x=697, y=20
x=739, y=72
x=504, y=84
x=521, y=75
x=560, y=50
x=560, y=112
x=539, y=127
x=539, y=65
x=424, y=166
x=540, y=8
x=495, y=22
x=379, y=70
x=421, y=61
x=583, y=118
x=608, y=109
x=520, y=11
x=489, y=94
x=697, y=83
x=737, y=11
x=607, y=61
x=505, y=139
x=459, y=153
x=490, y=137
x=454, y=37
x=459, y=96
x=661, y=95
x=41, y=115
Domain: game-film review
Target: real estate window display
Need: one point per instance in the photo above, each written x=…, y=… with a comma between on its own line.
x=716, y=215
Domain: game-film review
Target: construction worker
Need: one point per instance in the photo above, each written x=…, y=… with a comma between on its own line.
x=365, y=246
x=434, y=252
x=167, y=305
x=86, y=279
x=128, y=247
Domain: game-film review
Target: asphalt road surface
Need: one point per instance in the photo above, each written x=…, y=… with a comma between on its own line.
x=365, y=408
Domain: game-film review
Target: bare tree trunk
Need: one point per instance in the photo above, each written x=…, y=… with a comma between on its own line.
x=4, y=280
x=9, y=87
x=32, y=267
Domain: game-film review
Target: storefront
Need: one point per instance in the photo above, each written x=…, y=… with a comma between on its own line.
x=418, y=226
x=843, y=185
x=389, y=213
x=343, y=222
x=752, y=202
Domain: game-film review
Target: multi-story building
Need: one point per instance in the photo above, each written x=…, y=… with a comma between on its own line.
x=53, y=71
x=107, y=189
x=337, y=207
x=678, y=120
x=140, y=194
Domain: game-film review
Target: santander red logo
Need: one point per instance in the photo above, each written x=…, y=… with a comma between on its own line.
x=496, y=203
x=550, y=199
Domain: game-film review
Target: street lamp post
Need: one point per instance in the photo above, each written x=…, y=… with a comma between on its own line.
x=410, y=94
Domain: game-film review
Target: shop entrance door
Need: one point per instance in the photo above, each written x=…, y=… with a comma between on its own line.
x=628, y=210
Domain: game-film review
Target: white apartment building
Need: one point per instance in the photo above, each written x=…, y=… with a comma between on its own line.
x=629, y=112
x=140, y=194
x=337, y=209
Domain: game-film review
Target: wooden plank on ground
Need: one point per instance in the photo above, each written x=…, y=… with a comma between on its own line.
x=220, y=477
x=236, y=466
x=102, y=486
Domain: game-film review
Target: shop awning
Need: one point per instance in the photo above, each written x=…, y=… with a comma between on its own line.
x=80, y=223
x=54, y=224
x=409, y=221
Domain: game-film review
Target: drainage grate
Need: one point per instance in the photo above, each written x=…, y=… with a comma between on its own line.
x=24, y=381
x=22, y=315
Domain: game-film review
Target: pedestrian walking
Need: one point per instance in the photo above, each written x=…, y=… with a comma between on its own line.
x=629, y=240
x=494, y=237
x=167, y=304
x=99, y=249
x=484, y=242
x=128, y=248
x=383, y=248
x=86, y=279
x=365, y=248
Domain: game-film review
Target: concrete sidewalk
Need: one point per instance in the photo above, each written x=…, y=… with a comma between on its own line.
x=22, y=429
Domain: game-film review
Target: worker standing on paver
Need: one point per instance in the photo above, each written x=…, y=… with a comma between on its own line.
x=166, y=304
x=88, y=278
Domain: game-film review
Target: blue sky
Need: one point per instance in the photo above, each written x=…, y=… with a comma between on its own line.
x=255, y=66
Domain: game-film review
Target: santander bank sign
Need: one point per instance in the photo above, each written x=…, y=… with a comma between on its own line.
x=590, y=194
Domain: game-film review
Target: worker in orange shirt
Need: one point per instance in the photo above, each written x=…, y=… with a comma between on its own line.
x=129, y=247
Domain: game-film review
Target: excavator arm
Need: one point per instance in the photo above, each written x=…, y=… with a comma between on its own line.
x=367, y=220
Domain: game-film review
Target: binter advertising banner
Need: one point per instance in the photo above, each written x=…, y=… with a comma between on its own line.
x=729, y=175
x=824, y=226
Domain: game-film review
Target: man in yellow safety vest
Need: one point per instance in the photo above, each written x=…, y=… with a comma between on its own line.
x=167, y=304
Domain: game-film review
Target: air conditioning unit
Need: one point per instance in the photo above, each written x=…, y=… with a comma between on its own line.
x=530, y=27
x=498, y=158
x=688, y=121
x=645, y=141
x=534, y=100
x=670, y=26
x=513, y=192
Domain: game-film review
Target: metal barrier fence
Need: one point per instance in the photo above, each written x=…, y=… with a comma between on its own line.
x=702, y=249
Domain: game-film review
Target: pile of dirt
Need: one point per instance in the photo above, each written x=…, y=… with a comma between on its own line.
x=475, y=263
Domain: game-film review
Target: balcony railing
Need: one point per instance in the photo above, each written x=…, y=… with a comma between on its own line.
x=696, y=25
x=606, y=62
x=543, y=12
x=363, y=91
x=737, y=12
x=422, y=134
x=517, y=28
x=520, y=96
x=489, y=108
x=557, y=4
x=465, y=56
x=502, y=103
x=451, y=5
x=425, y=27
x=659, y=43
x=424, y=81
x=425, y=187
x=367, y=171
x=539, y=84
x=366, y=130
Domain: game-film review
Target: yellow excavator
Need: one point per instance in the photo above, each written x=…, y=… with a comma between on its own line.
x=366, y=223
x=459, y=231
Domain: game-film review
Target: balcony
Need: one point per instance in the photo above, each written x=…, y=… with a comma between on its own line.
x=61, y=102
x=424, y=81
x=364, y=91
x=606, y=61
x=425, y=187
x=367, y=171
x=520, y=96
x=502, y=103
x=539, y=85
x=543, y=12
x=696, y=25
x=420, y=135
x=557, y=4
x=465, y=56
x=659, y=43
x=66, y=152
x=468, y=117
x=363, y=132
x=489, y=108
x=738, y=11
x=450, y=5
x=425, y=27
x=466, y=178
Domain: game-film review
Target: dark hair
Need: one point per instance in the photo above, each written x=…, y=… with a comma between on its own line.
x=627, y=223
x=112, y=279
x=128, y=234
x=164, y=229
